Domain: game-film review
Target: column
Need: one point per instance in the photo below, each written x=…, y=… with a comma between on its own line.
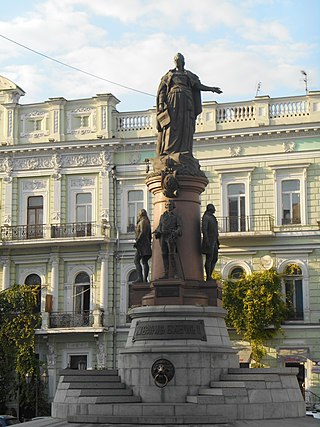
x=54, y=288
x=5, y=273
x=104, y=282
x=7, y=180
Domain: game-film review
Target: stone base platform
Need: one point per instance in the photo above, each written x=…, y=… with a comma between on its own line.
x=204, y=385
x=289, y=422
x=241, y=394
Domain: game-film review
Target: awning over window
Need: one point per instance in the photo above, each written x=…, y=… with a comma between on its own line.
x=294, y=354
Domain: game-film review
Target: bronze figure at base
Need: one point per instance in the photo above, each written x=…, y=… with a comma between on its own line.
x=168, y=231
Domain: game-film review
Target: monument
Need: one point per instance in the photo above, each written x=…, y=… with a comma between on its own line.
x=178, y=351
x=178, y=359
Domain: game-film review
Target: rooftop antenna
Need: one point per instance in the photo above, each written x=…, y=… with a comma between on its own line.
x=305, y=79
x=258, y=88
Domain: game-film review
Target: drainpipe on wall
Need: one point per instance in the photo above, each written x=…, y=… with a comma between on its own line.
x=115, y=265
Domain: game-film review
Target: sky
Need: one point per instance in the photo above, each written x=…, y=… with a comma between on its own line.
x=123, y=47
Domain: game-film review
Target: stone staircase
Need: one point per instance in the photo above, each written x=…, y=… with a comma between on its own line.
x=254, y=394
x=99, y=397
x=91, y=387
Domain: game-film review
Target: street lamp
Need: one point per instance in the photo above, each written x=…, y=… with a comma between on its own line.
x=44, y=378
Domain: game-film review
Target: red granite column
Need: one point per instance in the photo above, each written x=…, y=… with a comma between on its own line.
x=188, y=208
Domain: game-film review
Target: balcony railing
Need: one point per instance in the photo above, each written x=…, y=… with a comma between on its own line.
x=53, y=231
x=248, y=223
x=76, y=229
x=71, y=320
x=261, y=111
x=22, y=232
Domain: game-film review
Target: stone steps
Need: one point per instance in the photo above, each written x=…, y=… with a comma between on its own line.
x=227, y=384
x=100, y=386
x=239, y=395
x=105, y=392
x=89, y=372
x=84, y=379
x=96, y=387
x=164, y=420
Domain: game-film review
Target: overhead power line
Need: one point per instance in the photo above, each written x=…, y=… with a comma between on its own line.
x=75, y=68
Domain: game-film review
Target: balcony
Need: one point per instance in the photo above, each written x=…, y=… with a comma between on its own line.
x=22, y=232
x=76, y=229
x=71, y=320
x=53, y=231
x=65, y=321
x=253, y=224
x=260, y=112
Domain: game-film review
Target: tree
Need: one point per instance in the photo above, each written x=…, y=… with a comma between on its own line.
x=18, y=321
x=256, y=308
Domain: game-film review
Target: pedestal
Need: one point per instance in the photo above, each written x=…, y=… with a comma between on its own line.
x=194, y=339
x=189, y=258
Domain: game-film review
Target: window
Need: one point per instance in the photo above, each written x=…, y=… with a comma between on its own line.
x=84, y=121
x=82, y=293
x=236, y=207
x=293, y=290
x=34, y=280
x=35, y=217
x=235, y=198
x=291, y=206
x=135, y=204
x=236, y=273
x=291, y=194
x=37, y=125
x=83, y=214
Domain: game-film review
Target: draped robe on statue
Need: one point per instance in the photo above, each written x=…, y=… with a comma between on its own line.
x=180, y=96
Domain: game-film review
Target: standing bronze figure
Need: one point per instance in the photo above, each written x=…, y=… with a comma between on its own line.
x=143, y=246
x=178, y=105
x=168, y=231
x=210, y=240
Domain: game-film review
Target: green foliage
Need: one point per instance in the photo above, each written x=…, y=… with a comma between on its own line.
x=256, y=308
x=18, y=321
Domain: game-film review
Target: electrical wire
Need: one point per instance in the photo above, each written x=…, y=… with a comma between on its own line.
x=75, y=68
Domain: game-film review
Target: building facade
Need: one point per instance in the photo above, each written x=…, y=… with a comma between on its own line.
x=72, y=182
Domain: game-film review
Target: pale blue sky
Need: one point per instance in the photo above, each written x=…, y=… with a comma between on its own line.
x=234, y=44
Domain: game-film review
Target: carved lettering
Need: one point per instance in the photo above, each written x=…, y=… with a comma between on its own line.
x=170, y=330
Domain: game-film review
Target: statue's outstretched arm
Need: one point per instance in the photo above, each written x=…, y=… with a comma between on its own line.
x=205, y=88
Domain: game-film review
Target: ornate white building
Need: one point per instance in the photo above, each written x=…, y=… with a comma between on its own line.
x=72, y=182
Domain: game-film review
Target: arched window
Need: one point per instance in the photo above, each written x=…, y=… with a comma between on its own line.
x=236, y=273
x=34, y=280
x=293, y=289
x=81, y=295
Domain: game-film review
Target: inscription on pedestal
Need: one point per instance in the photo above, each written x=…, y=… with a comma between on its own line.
x=167, y=291
x=170, y=330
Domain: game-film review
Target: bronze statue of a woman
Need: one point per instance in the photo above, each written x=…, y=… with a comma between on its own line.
x=178, y=105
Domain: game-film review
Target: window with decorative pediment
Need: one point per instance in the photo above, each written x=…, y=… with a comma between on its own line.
x=81, y=120
x=236, y=199
x=34, y=124
x=236, y=207
x=290, y=202
x=84, y=214
x=82, y=204
x=35, y=217
x=290, y=194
